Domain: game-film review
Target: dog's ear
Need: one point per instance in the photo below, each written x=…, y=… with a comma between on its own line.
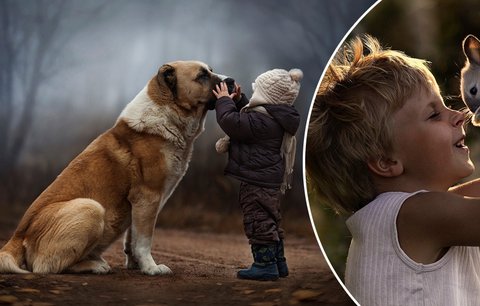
x=167, y=76
x=471, y=48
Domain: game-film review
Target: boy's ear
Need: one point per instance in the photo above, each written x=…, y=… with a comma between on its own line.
x=386, y=167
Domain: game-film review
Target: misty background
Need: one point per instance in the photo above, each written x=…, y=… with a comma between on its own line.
x=69, y=67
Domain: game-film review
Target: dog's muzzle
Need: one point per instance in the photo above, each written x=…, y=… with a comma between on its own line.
x=222, y=77
x=230, y=82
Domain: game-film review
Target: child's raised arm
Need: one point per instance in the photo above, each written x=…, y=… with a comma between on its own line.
x=468, y=189
x=429, y=223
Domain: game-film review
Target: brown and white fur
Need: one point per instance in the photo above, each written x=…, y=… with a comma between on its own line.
x=119, y=183
x=470, y=77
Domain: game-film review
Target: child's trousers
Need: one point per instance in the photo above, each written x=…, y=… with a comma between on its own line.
x=261, y=213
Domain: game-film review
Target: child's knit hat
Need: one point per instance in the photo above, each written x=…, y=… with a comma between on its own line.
x=277, y=86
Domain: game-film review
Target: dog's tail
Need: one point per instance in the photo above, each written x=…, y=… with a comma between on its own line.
x=11, y=257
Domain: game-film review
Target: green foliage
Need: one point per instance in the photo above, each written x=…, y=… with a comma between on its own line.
x=331, y=230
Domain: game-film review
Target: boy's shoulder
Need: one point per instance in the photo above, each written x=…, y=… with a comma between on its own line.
x=284, y=107
x=382, y=205
x=286, y=115
x=282, y=110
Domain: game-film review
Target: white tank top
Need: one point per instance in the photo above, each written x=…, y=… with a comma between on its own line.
x=378, y=272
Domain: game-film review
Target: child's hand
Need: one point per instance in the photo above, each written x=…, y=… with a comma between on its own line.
x=238, y=92
x=222, y=91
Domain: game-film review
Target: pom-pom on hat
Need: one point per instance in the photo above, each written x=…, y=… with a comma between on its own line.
x=277, y=86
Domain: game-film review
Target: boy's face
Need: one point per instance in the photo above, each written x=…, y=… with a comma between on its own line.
x=429, y=142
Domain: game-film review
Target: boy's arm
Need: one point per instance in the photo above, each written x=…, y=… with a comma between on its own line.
x=468, y=189
x=429, y=223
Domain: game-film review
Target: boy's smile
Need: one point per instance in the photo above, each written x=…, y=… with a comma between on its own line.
x=429, y=141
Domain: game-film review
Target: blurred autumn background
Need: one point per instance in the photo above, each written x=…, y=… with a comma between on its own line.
x=428, y=29
x=69, y=67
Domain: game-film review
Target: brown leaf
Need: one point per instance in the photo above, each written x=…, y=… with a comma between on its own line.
x=28, y=290
x=55, y=291
x=305, y=295
x=62, y=288
x=8, y=299
x=30, y=276
x=248, y=291
x=273, y=290
x=263, y=304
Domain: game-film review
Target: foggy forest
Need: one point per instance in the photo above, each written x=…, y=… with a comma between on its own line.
x=69, y=68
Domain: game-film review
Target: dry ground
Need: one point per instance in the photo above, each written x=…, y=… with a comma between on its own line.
x=204, y=266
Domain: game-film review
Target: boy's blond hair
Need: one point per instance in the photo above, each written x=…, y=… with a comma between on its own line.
x=351, y=119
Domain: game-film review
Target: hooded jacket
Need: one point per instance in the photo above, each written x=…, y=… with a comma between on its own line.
x=256, y=140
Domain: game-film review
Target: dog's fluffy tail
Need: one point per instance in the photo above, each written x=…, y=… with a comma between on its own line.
x=8, y=264
x=10, y=256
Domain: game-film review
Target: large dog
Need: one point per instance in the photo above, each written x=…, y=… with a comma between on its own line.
x=119, y=183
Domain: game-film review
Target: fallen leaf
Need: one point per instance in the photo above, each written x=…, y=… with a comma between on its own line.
x=248, y=291
x=8, y=299
x=304, y=294
x=55, y=291
x=28, y=290
x=30, y=276
x=263, y=304
x=62, y=288
x=273, y=290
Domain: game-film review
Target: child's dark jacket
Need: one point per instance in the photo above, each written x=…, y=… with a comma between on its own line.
x=256, y=140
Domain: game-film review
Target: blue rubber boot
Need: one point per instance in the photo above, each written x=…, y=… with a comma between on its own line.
x=265, y=264
x=281, y=260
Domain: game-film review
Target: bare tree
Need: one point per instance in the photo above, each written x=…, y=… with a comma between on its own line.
x=33, y=34
x=322, y=23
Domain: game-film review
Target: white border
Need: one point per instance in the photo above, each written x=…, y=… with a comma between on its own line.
x=304, y=151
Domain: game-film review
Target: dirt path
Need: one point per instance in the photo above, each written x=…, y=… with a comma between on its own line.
x=204, y=266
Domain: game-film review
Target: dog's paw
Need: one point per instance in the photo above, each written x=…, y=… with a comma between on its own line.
x=165, y=270
x=96, y=266
x=158, y=270
x=102, y=268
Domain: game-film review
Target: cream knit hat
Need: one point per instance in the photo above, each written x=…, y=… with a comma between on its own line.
x=277, y=86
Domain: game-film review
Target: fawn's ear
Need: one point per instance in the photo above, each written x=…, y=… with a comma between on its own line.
x=471, y=48
x=386, y=167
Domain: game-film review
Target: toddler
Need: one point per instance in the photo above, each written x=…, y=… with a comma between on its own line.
x=261, y=146
x=383, y=148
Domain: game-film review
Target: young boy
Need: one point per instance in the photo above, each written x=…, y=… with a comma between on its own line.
x=261, y=153
x=383, y=148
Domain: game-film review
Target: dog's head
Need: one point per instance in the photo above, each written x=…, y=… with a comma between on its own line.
x=470, y=76
x=189, y=84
